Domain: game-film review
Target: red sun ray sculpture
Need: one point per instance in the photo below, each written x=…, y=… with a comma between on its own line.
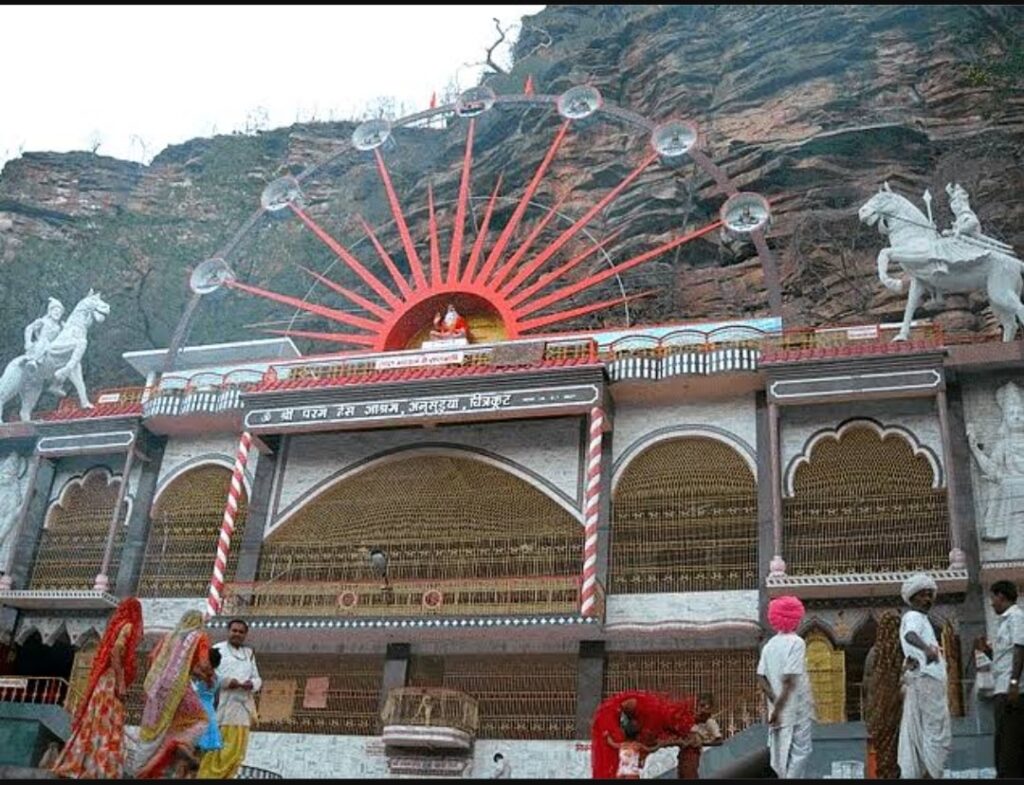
x=508, y=281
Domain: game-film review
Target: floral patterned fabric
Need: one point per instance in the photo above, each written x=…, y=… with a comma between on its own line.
x=96, y=748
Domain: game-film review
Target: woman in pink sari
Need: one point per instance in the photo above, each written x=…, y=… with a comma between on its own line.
x=173, y=718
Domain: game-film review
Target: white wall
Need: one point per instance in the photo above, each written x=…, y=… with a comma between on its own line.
x=549, y=448
x=634, y=425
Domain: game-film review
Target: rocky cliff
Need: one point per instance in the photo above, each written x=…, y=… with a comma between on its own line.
x=811, y=106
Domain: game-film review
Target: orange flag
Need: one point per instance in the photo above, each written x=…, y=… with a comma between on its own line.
x=433, y=100
x=528, y=87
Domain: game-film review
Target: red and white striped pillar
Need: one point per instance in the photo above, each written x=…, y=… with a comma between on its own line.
x=227, y=527
x=591, y=513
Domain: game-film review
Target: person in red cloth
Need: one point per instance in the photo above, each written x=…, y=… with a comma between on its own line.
x=658, y=722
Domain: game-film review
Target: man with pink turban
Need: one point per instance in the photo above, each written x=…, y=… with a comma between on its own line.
x=782, y=677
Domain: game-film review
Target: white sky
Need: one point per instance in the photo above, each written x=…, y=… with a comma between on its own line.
x=137, y=78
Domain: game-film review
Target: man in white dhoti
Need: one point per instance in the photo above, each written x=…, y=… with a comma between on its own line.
x=236, y=711
x=925, y=731
x=782, y=677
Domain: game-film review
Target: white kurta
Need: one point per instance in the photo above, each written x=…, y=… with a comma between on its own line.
x=237, y=707
x=789, y=744
x=926, y=734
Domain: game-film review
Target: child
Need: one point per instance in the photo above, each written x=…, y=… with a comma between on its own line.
x=704, y=733
x=631, y=752
x=206, y=684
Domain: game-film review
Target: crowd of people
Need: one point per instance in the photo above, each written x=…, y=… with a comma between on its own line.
x=198, y=706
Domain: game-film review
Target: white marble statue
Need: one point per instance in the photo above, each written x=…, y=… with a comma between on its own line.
x=1002, y=466
x=960, y=259
x=57, y=361
x=12, y=470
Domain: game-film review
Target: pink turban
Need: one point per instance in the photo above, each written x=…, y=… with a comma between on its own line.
x=785, y=613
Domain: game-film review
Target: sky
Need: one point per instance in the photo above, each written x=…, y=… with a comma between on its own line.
x=126, y=81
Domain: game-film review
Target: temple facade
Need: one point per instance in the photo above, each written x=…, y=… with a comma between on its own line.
x=459, y=535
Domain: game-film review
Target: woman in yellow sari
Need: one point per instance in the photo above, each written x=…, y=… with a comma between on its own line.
x=173, y=718
x=96, y=749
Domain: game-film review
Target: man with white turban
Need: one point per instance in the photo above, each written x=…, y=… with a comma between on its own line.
x=782, y=677
x=925, y=730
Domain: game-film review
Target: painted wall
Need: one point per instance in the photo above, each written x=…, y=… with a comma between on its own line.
x=182, y=452
x=680, y=611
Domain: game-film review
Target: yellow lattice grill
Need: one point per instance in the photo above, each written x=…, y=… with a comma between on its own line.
x=447, y=524
x=684, y=518
x=865, y=504
x=184, y=528
x=518, y=697
x=826, y=670
x=728, y=674
x=352, y=696
x=73, y=542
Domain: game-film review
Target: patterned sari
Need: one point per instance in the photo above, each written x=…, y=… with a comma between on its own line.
x=173, y=718
x=95, y=749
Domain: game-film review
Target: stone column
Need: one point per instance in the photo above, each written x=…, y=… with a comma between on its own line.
x=134, y=551
x=102, y=583
x=258, y=513
x=957, y=557
x=972, y=612
x=589, y=685
x=396, y=668
x=765, y=528
x=604, y=523
x=777, y=567
x=28, y=533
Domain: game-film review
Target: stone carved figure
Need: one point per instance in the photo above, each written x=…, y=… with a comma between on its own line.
x=58, y=361
x=1002, y=466
x=12, y=470
x=954, y=261
x=40, y=334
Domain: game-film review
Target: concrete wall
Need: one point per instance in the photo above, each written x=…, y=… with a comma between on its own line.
x=181, y=453
x=800, y=423
x=635, y=427
x=638, y=613
x=546, y=452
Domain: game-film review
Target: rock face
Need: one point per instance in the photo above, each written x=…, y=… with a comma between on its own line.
x=814, y=107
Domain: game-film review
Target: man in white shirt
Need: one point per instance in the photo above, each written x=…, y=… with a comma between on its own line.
x=236, y=710
x=926, y=736
x=782, y=677
x=1007, y=661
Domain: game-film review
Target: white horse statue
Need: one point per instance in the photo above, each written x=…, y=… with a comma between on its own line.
x=938, y=264
x=62, y=360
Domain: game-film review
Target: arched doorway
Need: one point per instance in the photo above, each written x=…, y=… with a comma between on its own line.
x=684, y=518
x=75, y=534
x=183, y=530
x=460, y=536
x=864, y=501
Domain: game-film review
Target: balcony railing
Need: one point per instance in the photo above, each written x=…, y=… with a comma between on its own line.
x=431, y=707
x=412, y=599
x=44, y=690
